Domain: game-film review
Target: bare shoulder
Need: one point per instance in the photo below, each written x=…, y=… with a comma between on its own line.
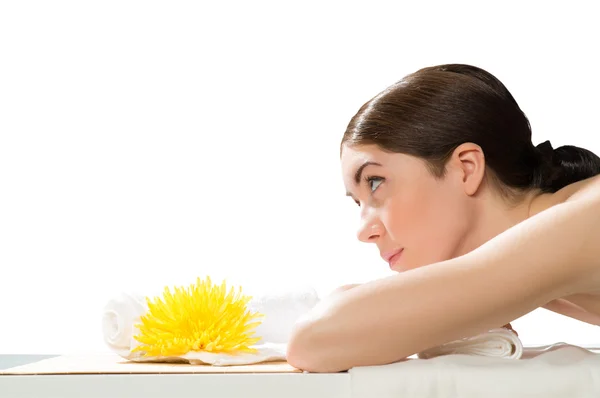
x=585, y=197
x=584, y=306
x=575, y=211
x=588, y=189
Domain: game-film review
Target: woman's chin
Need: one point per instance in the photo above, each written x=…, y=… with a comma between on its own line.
x=399, y=267
x=402, y=266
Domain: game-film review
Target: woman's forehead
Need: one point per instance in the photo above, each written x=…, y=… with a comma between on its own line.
x=353, y=157
x=360, y=153
x=356, y=158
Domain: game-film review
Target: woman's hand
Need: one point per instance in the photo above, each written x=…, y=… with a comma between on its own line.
x=509, y=327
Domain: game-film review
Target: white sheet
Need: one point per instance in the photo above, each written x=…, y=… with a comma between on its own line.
x=559, y=370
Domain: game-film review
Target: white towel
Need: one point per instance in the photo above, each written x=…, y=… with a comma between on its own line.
x=501, y=343
x=280, y=309
x=560, y=371
x=120, y=315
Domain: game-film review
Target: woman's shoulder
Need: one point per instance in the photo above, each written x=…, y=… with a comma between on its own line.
x=580, y=190
x=588, y=188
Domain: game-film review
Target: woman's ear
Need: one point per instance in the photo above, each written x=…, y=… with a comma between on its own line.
x=468, y=162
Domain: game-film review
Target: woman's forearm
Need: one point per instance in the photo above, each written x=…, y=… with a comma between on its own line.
x=389, y=319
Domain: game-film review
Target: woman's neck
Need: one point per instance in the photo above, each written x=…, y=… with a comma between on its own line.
x=495, y=215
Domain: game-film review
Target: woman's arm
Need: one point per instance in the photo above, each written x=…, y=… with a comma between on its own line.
x=343, y=288
x=551, y=255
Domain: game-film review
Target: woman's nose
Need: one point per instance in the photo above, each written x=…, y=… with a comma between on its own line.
x=369, y=230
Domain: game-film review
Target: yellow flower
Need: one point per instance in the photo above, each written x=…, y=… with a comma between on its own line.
x=203, y=317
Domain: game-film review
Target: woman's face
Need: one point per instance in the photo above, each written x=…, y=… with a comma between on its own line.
x=404, y=209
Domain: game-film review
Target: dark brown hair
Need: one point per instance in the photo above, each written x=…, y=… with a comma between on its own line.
x=434, y=110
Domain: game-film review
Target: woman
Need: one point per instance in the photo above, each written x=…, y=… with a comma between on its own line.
x=481, y=225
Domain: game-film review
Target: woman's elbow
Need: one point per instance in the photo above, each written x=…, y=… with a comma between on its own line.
x=306, y=350
x=301, y=350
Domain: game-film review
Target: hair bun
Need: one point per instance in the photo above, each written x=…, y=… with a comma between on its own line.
x=545, y=152
x=564, y=165
x=548, y=171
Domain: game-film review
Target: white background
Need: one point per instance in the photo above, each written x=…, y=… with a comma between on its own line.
x=143, y=144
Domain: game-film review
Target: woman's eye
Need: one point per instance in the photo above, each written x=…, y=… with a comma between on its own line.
x=374, y=181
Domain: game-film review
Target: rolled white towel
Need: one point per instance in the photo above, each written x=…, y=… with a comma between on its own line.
x=120, y=315
x=281, y=309
x=500, y=343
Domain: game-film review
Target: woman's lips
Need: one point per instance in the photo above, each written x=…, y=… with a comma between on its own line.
x=391, y=258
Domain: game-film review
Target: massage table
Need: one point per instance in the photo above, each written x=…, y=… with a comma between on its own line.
x=549, y=371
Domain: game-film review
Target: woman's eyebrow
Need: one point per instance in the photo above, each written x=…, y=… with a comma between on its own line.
x=360, y=170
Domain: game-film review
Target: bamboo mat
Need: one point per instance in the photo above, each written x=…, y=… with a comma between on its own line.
x=114, y=364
